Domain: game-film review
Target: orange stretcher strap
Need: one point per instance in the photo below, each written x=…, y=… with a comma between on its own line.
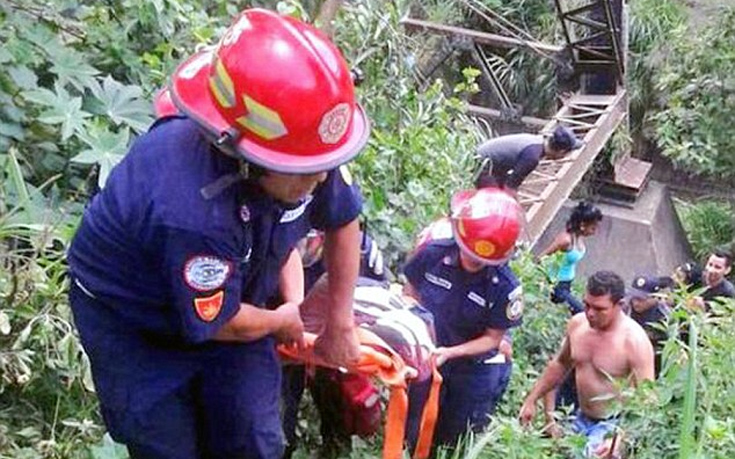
x=429, y=416
x=378, y=359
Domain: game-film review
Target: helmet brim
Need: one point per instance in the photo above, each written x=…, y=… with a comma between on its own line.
x=458, y=200
x=472, y=255
x=190, y=93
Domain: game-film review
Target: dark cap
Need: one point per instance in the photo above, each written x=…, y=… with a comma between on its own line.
x=644, y=286
x=564, y=139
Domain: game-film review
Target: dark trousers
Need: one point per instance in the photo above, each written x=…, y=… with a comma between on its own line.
x=470, y=393
x=326, y=393
x=164, y=401
x=562, y=293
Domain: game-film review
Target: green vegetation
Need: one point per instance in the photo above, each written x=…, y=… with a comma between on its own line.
x=75, y=85
x=699, y=90
x=708, y=224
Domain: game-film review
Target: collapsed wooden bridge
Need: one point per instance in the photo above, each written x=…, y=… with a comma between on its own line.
x=595, y=43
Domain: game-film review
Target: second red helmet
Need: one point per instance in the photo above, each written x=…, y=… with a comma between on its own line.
x=486, y=224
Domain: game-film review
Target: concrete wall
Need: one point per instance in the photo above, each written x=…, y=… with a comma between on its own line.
x=645, y=239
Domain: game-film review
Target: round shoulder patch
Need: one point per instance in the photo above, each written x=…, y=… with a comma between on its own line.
x=514, y=309
x=206, y=272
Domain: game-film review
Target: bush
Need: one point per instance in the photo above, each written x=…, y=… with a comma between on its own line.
x=696, y=80
x=708, y=224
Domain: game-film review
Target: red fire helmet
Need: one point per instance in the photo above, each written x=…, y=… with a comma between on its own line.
x=163, y=105
x=279, y=90
x=486, y=224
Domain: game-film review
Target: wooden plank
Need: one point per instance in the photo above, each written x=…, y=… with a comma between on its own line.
x=593, y=99
x=557, y=192
x=632, y=172
x=497, y=114
x=577, y=122
x=587, y=111
x=480, y=37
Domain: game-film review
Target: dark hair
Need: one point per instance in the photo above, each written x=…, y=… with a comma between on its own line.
x=583, y=213
x=723, y=253
x=692, y=274
x=603, y=283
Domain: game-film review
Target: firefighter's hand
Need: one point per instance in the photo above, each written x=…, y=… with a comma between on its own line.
x=291, y=330
x=506, y=349
x=442, y=354
x=338, y=346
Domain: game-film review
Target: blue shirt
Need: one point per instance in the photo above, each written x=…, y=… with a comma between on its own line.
x=464, y=304
x=174, y=264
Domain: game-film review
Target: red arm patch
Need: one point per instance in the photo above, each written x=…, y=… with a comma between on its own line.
x=208, y=308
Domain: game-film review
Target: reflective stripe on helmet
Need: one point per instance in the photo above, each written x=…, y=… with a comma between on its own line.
x=221, y=85
x=261, y=120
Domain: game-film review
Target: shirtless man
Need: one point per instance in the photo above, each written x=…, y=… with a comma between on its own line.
x=601, y=344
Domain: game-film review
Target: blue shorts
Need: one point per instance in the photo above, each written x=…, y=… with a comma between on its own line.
x=595, y=430
x=167, y=400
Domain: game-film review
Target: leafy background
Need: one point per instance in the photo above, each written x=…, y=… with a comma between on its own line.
x=76, y=82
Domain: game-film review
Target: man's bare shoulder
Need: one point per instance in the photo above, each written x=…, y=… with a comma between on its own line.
x=577, y=320
x=577, y=324
x=635, y=335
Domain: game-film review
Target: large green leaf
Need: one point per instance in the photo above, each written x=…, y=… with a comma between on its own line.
x=107, y=148
x=124, y=104
x=23, y=77
x=63, y=109
x=5, y=56
x=72, y=67
x=108, y=449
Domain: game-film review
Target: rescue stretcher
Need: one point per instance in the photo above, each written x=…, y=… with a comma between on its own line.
x=395, y=348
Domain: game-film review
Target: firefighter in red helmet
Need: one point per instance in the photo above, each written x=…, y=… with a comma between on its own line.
x=195, y=229
x=459, y=272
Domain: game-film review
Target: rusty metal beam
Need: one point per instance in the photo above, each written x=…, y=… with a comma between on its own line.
x=484, y=38
x=550, y=200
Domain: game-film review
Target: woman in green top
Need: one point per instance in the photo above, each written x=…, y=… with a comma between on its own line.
x=581, y=223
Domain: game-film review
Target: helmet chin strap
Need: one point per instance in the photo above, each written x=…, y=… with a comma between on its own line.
x=223, y=145
x=213, y=189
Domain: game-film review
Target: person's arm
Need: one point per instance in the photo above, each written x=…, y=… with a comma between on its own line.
x=410, y=291
x=525, y=164
x=489, y=340
x=641, y=358
x=251, y=323
x=552, y=376
x=338, y=343
x=561, y=242
x=291, y=279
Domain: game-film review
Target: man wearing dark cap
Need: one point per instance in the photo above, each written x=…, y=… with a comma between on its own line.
x=507, y=160
x=648, y=308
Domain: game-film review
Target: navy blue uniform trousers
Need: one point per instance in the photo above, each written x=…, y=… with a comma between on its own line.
x=470, y=392
x=165, y=400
